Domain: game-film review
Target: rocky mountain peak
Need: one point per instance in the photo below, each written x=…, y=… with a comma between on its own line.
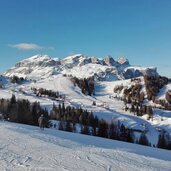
x=108, y=68
x=123, y=61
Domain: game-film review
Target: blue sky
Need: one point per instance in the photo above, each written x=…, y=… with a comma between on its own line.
x=139, y=30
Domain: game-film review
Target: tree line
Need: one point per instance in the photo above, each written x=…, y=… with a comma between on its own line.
x=44, y=92
x=68, y=117
x=22, y=111
x=16, y=79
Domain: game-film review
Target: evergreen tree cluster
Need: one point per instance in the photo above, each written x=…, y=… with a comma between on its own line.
x=22, y=111
x=69, y=116
x=153, y=84
x=86, y=85
x=134, y=94
x=73, y=115
x=44, y=92
x=135, y=98
x=16, y=79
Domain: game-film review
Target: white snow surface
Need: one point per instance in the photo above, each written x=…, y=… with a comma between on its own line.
x=27, y=148
x=90, y=70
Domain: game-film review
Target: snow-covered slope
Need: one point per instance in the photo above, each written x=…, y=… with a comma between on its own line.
x=106, y=108
x=29, y=148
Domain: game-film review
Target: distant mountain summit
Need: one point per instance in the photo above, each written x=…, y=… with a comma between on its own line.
x=79, y=65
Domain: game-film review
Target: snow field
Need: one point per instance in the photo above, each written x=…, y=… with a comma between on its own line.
x=24, y=147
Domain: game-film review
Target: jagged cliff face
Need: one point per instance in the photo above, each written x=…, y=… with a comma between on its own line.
x=38, y=60
x=35, y=67
x=131, y=72
x=40, y=66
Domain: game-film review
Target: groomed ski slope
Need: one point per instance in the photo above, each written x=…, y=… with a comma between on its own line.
x=27, y=148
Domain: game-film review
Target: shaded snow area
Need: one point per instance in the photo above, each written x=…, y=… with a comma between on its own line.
x=27, y=148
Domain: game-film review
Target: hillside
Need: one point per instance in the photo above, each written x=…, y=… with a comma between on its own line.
x=54, y=74
x=28, y=148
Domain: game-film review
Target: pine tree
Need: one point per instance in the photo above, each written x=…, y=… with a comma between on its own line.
x=68, y=126
x=162, y=141
x=13, y=100
x=143, y=140
x=130, y=136
x=85, y=130
x=60, y=111
x=95, y=125
x=35, y=112
x=112, y=131
x=63, y=108
x=61, y=126
x=103, y=129
x=150, y=112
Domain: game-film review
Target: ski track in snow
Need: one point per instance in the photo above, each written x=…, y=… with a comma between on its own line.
x=26, y=148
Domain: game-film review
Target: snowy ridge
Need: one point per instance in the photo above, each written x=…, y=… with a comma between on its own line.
x=108, y=68
x=101, y=72
x=136, y=71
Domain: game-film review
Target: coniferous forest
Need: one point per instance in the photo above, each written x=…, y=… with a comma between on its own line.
x=73, y=119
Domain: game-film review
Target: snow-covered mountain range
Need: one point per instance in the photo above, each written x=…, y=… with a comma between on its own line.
x=80, y=66
x=41, y=71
